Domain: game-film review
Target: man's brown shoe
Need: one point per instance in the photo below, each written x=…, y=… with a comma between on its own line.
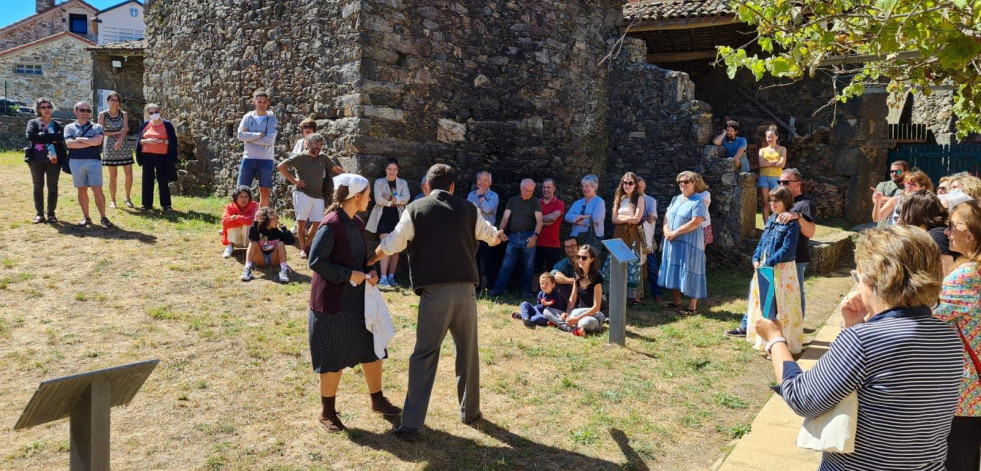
x=331, y=423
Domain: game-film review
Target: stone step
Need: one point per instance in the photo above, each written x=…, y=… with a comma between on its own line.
x=828, y=252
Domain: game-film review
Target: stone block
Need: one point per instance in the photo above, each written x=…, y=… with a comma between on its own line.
x=382, y=112
x=714, y=152
x=849, y=162
x=830, y=252
x=450, y=131
x=748, y=204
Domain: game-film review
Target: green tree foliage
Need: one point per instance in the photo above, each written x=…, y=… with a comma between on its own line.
x=912, y=44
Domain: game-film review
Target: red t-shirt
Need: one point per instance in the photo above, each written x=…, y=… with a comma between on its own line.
x=550, y=232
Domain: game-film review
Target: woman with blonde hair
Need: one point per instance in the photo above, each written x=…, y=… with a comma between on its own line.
x=903, y=364
x=960, y=307
x=116, y=151
x=967, y=183
x=683, y=254
x=628, y=204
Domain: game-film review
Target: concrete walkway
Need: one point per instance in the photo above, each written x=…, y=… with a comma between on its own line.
x=770, y=444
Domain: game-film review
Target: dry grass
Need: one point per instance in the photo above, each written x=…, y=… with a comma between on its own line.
x=234, y=389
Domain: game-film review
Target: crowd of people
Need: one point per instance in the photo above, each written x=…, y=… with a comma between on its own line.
x=917, y=274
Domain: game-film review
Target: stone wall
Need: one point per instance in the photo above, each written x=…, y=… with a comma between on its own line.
x=12, y=132
x=66, y=72
x=658, y=129
x=127, y=81
x=46, y=24
x=936, y=110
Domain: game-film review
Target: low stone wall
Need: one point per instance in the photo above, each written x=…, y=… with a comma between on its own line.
x=12, y=130
x=830, y=252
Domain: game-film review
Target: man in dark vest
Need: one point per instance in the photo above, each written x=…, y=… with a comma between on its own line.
x=443, y=230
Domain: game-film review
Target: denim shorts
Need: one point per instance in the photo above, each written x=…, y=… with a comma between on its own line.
x=86, y=172
x=253, y=168
x=768, y=182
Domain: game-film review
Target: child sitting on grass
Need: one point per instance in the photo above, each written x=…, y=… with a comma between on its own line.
x=548, y=298
x=267, y=245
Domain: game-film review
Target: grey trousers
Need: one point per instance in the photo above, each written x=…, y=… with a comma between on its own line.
x=442, y=308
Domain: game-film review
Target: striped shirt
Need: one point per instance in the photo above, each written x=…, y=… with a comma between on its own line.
x=906, y=366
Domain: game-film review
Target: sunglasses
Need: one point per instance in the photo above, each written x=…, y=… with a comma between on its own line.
x=896, y=172
x=84, y=110
x=45, y=107
x=684, y=182
x=628, y=183
x=584, y=257
x=786, y=182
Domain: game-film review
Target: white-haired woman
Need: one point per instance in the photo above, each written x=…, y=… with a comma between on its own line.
x=338, y=337
x=156, y=152
x=588, y=212
x=904, y=364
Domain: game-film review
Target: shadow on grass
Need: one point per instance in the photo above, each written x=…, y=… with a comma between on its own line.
x=441, y=450
x=179, y=216
x=97, y=231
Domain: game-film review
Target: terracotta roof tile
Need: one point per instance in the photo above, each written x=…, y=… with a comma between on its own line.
x=653, y=10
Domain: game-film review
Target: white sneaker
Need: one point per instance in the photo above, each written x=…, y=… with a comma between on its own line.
x=228, y=251
x=246, y=274
x=284, y=275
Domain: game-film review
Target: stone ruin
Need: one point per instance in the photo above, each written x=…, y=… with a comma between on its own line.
x=523, y=89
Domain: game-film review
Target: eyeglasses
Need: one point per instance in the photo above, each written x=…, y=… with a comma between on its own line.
x=786, y=182
x=951, y=224
x=45, y=107
x=84, y=110
x=584, y=257
x=571, y=247
x=896, y=172
x=627, y=183
x=684, y=182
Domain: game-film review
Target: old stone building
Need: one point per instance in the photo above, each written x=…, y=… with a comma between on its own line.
x=523, y=89
x=74, y=16
x=57, y=67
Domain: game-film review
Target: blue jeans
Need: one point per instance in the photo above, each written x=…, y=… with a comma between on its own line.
x=517, y=247
x=801, y=268
x=652, y=266
x=530, y=311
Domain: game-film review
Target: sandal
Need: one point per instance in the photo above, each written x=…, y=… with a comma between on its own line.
x=105, y=222
x=688, y=312
x=85, y=222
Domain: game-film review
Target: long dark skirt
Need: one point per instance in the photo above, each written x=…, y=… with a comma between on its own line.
x=339, y=341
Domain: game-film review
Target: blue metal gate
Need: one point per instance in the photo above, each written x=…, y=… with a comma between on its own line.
x=940, y=160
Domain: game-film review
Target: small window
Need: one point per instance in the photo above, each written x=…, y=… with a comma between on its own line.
x=27, y=69
x=78, y=24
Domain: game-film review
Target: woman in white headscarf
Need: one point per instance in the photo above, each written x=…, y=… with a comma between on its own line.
x=338, y=336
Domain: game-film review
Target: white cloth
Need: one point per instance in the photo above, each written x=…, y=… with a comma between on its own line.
x=354, y=182
x=298, y=147
x=833, y=430
x=239, y=236
x=377, y=319
x=307, y=208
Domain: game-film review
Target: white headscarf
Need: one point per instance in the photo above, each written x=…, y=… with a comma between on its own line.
x=354, y=182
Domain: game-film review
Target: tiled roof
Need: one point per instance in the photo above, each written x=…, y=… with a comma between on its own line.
x=67, y=4
x=654, y=10
x=139, y=44
x=63, y=34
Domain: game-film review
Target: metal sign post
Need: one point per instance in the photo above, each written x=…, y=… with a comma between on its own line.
x=86, y=398
x=622, y=255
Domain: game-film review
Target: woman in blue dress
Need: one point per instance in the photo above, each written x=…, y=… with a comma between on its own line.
x=683, y=256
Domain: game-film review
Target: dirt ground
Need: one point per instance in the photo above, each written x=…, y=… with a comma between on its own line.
x=234, y=387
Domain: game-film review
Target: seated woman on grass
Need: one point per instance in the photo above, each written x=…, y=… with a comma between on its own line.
x=586, y=301
x=267, y=244
x=237, y=219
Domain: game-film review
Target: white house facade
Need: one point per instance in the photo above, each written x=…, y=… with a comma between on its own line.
x=121, y=22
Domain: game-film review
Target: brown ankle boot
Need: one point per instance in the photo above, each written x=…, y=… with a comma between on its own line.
x=381, y=405
x=328, y=416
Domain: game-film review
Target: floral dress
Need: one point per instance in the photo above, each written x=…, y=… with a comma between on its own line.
x=959, y=307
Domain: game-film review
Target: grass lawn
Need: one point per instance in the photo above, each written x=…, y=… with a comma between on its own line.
x=235, y=390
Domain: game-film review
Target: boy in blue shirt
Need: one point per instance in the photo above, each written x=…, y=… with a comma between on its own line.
x=548, y=298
